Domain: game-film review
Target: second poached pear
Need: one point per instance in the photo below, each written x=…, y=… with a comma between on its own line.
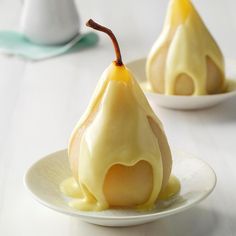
x=185, y=60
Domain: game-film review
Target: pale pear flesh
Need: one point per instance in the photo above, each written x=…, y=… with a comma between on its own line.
x=185, y=60
x=128, y=186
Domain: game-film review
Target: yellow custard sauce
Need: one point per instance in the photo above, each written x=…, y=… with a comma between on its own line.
x=70, y=188
x=119, y=132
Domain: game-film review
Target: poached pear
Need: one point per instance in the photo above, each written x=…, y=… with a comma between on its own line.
x=185, y=60
x=118, y=151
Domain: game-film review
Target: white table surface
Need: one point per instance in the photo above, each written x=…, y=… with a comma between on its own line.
x=41, y=102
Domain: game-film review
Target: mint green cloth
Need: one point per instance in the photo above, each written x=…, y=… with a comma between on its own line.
x=17, y=44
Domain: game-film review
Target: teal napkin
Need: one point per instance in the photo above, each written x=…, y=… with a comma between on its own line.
x=17, y=44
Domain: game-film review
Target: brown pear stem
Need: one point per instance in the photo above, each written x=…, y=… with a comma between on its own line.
x=99, y=27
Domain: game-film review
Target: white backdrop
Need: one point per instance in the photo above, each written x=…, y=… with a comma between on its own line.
x=41, y=102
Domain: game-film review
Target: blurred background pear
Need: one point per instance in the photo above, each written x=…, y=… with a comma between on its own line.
x=185, y=60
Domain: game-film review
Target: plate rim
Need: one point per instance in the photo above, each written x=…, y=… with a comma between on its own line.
x=148, y=216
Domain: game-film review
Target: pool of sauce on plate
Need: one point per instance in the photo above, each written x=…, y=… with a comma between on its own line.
x=70, y=188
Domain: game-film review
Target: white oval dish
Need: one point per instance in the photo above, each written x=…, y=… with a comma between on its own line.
x=184, y=102
x=197, y=182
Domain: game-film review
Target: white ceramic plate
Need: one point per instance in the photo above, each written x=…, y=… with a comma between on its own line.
x=196, y=177
x=184, y=102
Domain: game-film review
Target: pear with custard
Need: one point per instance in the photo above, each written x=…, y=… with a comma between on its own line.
x=185, y=60
x=118, y=152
